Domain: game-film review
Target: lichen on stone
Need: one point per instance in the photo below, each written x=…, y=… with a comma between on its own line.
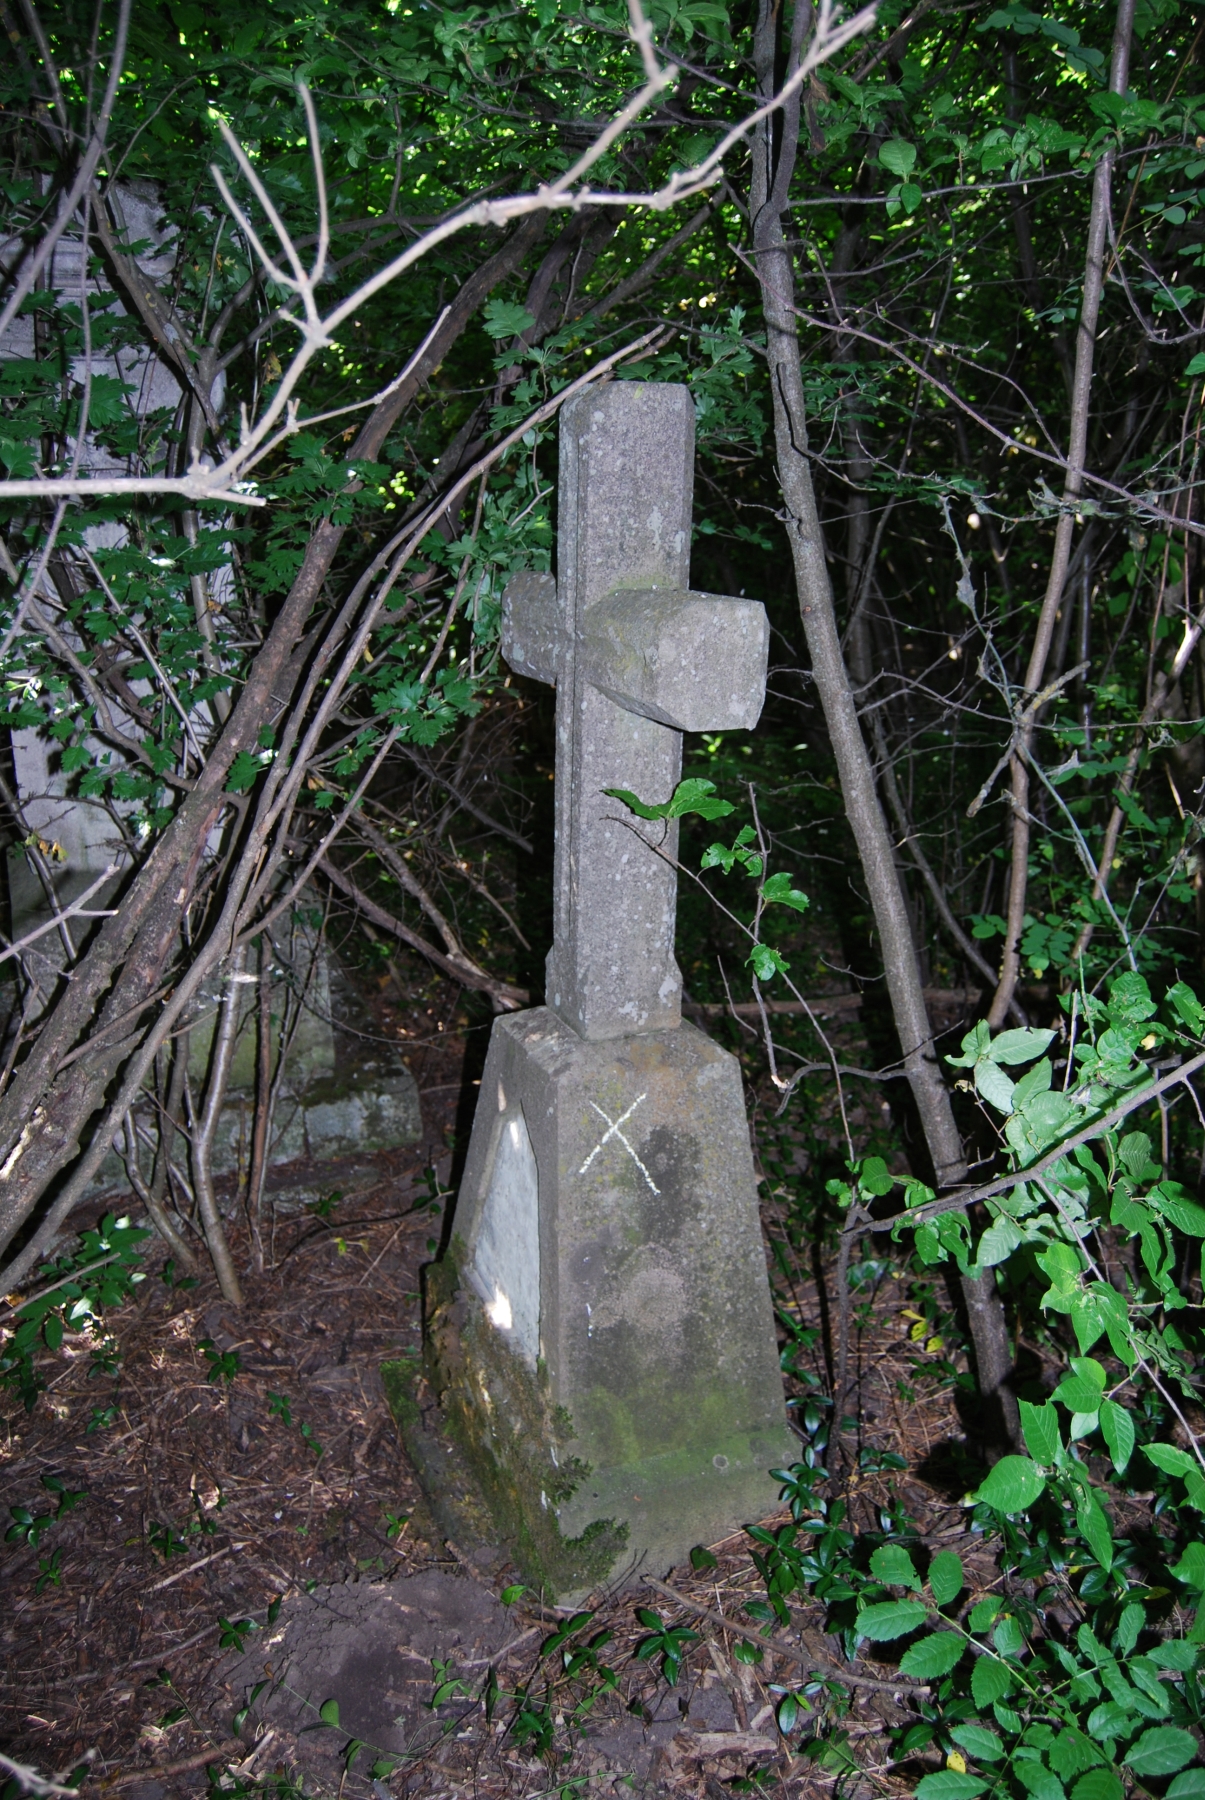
x=515, y=1444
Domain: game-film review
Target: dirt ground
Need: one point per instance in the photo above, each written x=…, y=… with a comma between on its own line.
x=263, y=1537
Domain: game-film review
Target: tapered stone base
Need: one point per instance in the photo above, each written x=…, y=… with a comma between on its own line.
x=613, y=1375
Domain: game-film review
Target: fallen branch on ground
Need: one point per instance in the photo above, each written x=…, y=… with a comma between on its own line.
x=155, y=1771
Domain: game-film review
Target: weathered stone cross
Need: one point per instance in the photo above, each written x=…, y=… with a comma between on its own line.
x=636, y=660
x=600, y=1336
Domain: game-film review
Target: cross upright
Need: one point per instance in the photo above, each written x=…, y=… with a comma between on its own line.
x=637, y=659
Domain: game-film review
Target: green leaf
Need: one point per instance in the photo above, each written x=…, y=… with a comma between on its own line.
x=1012, y=1486
x=1170, y=1458
x=1081, y=1394
x=1098, y=1784
x=695, y=796
x=1177, y=1654
x=1161, y=1751
x=932, y=1656
x=779, y=888
x=1093, y=1522
x=1191, y=1567
x=890, y=1619
x=978, y=1741
x=638, y=806
x=874, y=1177
x=328, y=1712
x=1134, y=1151
x=1071, y=1753
x=701, y=1558
x=1040, y=1428
x=504, y=319
x=946, y=1579
x=899, y=156
x=766, y=962
x=893, y=1566
x=948, y=1784
x=994, y=1086
x=998, y=1242
x=975, y=1043
x=1196, y=366
x=1018, y=1046
x=990, y=1681
x=1133, y=1618
x=1177, y=1205
x=1190, y=1785
x=244, y=772
x=1117, y=1428
x=789, y=1712
x=691, y=796
x=1180, y=996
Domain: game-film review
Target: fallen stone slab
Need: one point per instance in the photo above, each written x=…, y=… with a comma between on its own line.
x=369, y=1647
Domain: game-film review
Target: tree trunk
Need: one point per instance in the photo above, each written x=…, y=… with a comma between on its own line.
x=773, y=164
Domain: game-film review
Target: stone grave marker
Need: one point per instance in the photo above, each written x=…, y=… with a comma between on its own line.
x=600, y=1335
x=345, y=1094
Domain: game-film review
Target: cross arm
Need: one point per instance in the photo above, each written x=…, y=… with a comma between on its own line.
x=696, y=662
x=531, y=626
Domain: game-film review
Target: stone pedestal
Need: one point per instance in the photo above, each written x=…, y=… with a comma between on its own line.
x=612, y=1293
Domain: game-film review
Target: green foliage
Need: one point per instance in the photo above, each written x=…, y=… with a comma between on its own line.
x=692, y=796
x=224, y=1365
x=1044, y=1218
x=696, y=795
x=29, y=1528
x=1012, y=1486
x=666, y=1641
x=72, y=1295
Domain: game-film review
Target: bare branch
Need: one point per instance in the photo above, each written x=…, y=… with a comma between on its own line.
x=77, y=910
x=25, y=281
x=226, y=481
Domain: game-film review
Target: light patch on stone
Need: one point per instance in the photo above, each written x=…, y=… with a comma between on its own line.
x=498, y=1311
x=506, y=1255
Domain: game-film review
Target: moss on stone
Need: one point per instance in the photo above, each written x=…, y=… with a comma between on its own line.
x=514, y=1443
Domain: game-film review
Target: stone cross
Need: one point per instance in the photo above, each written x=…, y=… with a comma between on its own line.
x=599, y=1337
x=637, y=659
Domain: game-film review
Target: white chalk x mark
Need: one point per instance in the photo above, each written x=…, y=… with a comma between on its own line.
x=614, y=1130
